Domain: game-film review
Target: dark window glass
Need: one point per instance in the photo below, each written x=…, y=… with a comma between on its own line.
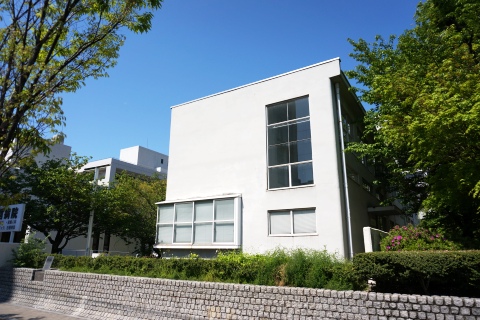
x=278, y=154
x=302, y=174
x=300, y=151
x=277, y=113
x=277, y=134
x=298, y=108
x=299, y=130
x=278, y=177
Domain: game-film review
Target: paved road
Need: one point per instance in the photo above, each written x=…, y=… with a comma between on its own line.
x=10, y=311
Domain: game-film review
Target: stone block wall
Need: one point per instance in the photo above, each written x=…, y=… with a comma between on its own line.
x=96, y=296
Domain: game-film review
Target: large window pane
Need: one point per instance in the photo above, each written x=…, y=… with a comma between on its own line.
x=164, y=234
x=280, y=222
x=204, y=210
x=302, y=174
x=224, y=209
x=224, y=232
x=203, y=233
x=278, y=154
x=298, y=108
x=278, y=177
x=277, y=113
x=288, y=143
x=183, y=212
x=304, y=221
x=183, y=233
x=277, y=134
x=165, y=214
x=300, y=151
x=299, y=130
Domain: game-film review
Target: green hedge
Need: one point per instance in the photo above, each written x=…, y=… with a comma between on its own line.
x=422, y=272
x=299, y=268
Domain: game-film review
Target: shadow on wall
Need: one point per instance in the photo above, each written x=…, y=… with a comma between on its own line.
x=6, y=283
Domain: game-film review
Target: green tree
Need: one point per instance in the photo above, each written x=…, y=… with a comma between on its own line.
x=425, y=123
x=59, y=199
x=132, y=211
x=50, y=47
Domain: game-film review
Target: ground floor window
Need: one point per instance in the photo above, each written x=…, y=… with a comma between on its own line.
x=198, y=223
x=291, y=222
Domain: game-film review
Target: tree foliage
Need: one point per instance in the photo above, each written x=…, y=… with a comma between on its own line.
x=29, y=254
x=425, y=89
x=59, y=199
x=132, y=211
x=411, y=238
x=51, y=46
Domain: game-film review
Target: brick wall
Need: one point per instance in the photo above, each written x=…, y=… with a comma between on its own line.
x=96, y=296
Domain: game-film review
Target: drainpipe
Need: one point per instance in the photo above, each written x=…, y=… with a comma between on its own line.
x=344, y=169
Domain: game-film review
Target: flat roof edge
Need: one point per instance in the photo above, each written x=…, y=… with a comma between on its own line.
x=257, y=82
x=219, y=196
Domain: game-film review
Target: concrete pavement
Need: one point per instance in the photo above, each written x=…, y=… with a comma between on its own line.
x=10, y=311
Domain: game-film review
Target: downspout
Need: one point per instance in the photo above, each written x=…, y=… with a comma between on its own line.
x=344, y=169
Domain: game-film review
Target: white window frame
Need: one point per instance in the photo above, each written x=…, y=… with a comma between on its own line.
x=234, y=244
x=289, y=164
x=292, y=226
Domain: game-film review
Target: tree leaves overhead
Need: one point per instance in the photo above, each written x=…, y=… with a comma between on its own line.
x=425, y=89
x=49, y=47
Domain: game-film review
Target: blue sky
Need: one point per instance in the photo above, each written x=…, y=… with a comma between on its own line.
x=199, y=47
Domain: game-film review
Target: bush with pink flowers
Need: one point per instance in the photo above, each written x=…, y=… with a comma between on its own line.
x=410, y=238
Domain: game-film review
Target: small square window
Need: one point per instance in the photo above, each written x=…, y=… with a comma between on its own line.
x=290, y=222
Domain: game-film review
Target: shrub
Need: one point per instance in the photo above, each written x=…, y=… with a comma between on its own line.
x=422, y=272
x=415, y=239
x=29, y=254
x=315, y=269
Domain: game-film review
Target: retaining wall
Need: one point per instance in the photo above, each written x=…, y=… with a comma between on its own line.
x=96, y=296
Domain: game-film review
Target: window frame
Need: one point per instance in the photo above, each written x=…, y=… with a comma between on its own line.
x=289, y=143
x=292, y=223
x=212, y=223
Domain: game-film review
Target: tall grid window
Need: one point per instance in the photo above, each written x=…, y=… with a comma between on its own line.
x=198, y=222
x=289, y=144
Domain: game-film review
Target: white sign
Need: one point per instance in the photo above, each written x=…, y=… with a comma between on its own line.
x=11, y=217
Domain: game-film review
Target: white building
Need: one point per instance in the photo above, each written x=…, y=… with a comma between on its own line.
x=262, y=166
x=135, y=160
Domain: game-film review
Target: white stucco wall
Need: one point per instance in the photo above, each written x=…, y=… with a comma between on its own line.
x=218, y=146
x=145, y=157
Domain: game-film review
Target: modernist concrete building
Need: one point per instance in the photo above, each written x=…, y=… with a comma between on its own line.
x=135, y=160
x=262, y=166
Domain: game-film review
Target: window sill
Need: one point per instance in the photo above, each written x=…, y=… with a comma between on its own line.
x=294, y=235
x=290, y=188
x=193, y=246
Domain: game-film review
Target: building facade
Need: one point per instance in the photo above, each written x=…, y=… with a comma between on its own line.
x=262, y=166
x=135, y=161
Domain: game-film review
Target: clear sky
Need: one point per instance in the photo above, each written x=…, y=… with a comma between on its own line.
x=200, y=47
